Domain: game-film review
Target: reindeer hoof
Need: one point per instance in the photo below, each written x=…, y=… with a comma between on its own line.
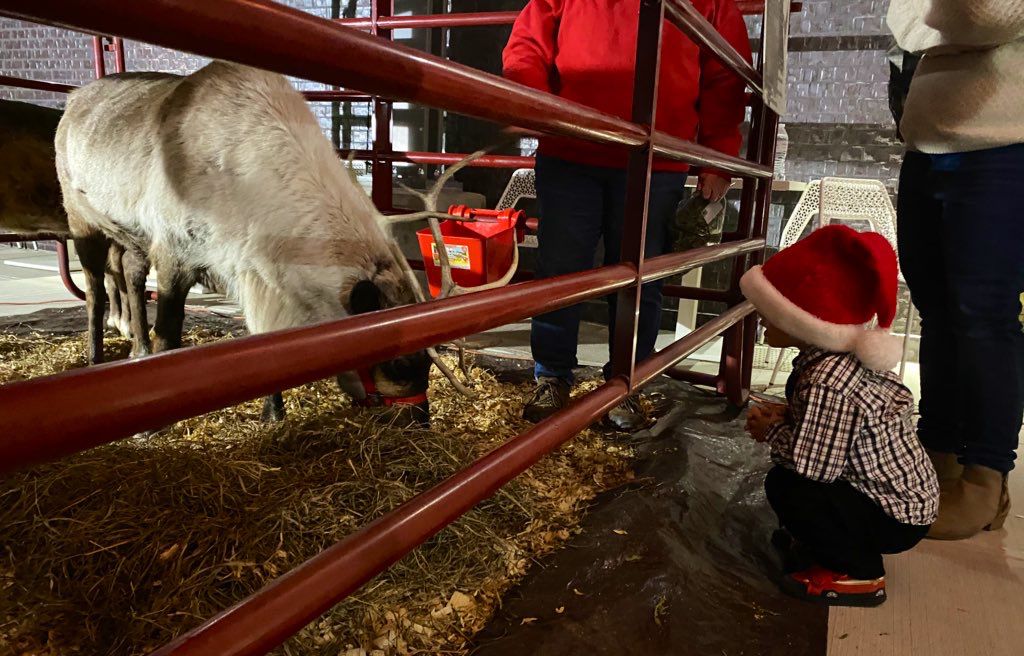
x=273, y=409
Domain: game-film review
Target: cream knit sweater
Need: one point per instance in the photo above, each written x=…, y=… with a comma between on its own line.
x=968, y=91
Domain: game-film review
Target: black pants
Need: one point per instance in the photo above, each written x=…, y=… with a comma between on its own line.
x=961, y=243
x=842, y=529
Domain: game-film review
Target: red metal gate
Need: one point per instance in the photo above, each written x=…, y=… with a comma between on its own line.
x=116, y=400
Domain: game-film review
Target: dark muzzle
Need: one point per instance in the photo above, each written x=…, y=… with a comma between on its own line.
x=409, y=410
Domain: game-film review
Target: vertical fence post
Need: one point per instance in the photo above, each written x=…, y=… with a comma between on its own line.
x=736, y=367
x=98, y=56
x=767, y=132
x=731, y=363
x=382, y=193
x=638, y=182
x=118, y=48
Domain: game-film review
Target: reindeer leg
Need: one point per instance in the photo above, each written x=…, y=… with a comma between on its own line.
x=114, y=307
x=118, y=316
x=173, y=282
x=135, y=269
x=266, y=309
x=92, y=254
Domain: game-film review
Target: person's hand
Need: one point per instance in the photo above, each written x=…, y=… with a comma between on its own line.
x=762, y=417
x=712, y=186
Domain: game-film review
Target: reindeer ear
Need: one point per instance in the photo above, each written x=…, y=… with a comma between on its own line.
x=364, y=297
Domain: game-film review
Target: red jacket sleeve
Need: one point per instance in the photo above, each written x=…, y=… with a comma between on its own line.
x=529, y=56
x=722, y=103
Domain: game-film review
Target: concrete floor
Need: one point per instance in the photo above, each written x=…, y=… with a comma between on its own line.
x=961, y=598
x=29, y=282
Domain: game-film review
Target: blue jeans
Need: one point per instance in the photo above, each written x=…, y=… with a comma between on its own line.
x=578, y=205
x=961, y=243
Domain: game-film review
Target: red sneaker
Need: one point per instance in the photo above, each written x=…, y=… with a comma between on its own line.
x=832, y=588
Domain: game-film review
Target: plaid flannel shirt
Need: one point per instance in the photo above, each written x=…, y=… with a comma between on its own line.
x=846, y=422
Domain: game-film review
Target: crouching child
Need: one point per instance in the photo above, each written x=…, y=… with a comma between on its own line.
x=851, y=481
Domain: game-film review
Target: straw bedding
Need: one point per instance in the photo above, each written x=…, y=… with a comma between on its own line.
x=117, y=549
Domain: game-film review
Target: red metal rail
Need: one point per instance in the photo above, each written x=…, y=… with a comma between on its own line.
x=485, y=161
x=64, y=268
x=267, y=618
x=293, y=42
x=115, y=400
x=686, y=17
x=487, y=18
x=58, y=87
x=63, y=261
x=433, y=20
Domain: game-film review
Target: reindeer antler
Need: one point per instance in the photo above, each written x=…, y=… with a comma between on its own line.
x=421, y=297
x=402, y=218
x=448, y=286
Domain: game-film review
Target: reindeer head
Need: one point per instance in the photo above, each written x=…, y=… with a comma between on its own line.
x=405, y=377
x=402, y=382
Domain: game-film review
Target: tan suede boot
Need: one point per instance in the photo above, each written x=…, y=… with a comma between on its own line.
x=947, y=465
x=979, y=500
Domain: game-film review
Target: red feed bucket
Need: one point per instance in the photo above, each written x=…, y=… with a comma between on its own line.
x=479, y=251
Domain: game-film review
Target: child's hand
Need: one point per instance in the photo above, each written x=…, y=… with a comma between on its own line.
x=763, y=417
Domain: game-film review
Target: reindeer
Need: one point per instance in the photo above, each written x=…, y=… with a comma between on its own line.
x=227, y=172
x=30, y=198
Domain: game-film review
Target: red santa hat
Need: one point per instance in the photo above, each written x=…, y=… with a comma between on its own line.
x=827, y=289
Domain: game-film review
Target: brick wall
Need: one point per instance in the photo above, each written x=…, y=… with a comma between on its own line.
x=47, y=53
x=838, y=116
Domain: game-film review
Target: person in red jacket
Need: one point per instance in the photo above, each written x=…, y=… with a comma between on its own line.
x=584, y=51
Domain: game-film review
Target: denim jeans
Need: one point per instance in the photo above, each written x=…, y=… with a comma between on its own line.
x=579, y=205
x=961, y=243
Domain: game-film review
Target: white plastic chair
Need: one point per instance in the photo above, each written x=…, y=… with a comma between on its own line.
x=522, y=184
x=859, y=203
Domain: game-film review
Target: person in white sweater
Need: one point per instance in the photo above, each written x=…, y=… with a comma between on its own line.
x=961, y=243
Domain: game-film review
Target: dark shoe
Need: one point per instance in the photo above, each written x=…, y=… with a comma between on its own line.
x=628, y=416
x=551, y=395
x=824, y=586
x=978, y=500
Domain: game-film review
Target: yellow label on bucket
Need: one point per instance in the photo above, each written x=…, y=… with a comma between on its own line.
x=458, y=256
